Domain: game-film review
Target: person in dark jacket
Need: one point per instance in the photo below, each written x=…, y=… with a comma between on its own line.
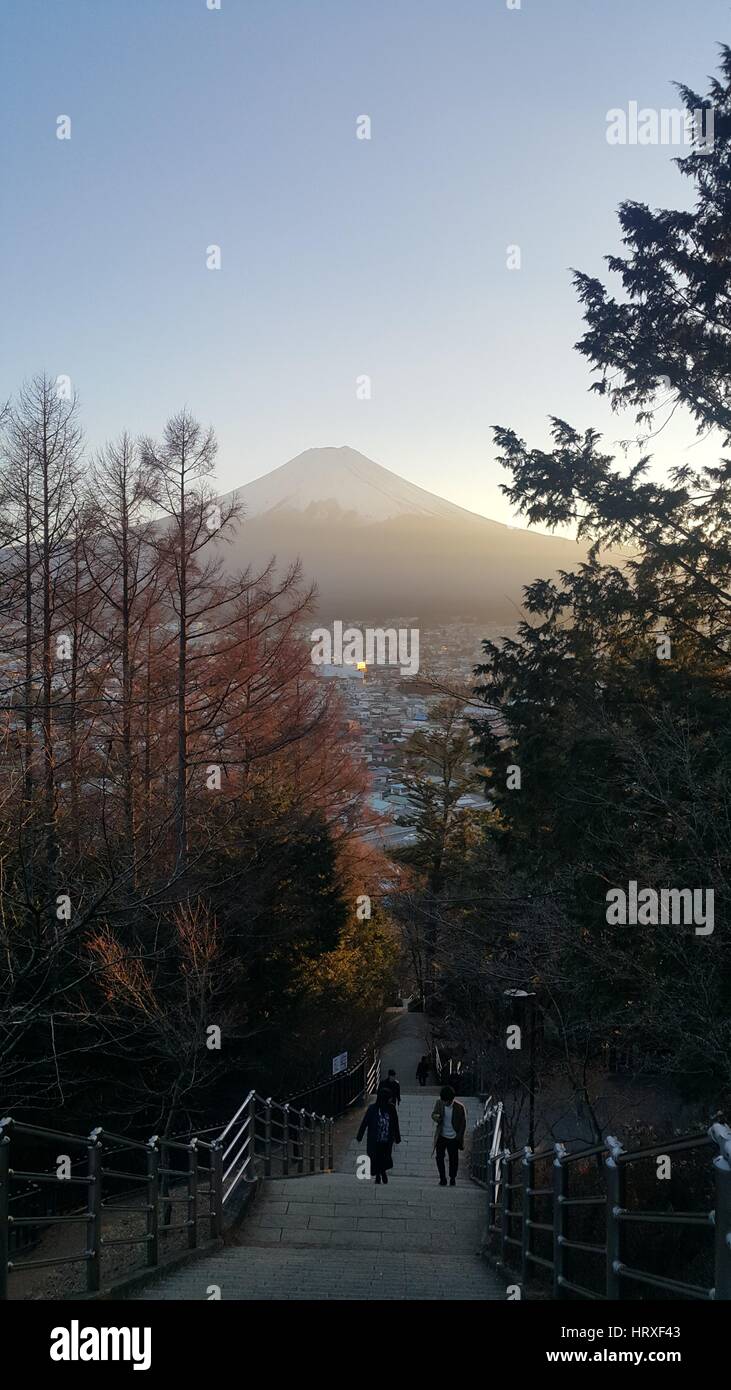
x=392, y=1084
x=380, y=1122
x=422, y=1070
x=450, y=1119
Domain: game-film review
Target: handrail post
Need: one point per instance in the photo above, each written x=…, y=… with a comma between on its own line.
x=192, y=1194
x=301, y=1143
x=491, y=1198
x=527, y=1166
x=153, y=1193
x=722, y=1166
x=94, y=1212
x=311, y=1128
x=615, y=1204
x=323, y=1140
x=504, y=1232
x=268, y=1137
x=285, y=1140
x=217, y=1191
x=252, y=1132
x=497, y=1180
x=560, y=1193
x=331, y=1143
x=5, y=1128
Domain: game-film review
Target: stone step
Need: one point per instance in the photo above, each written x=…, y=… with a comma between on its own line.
x=375, y=1233
x=282, y=1273
x=345, y=1187
x=338, y=1210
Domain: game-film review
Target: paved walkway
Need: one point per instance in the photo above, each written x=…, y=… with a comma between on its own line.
x=334, y=1236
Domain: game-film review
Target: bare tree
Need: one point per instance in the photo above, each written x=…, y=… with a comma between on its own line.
x=180, y=468
x=44, y=448
x=124, y=565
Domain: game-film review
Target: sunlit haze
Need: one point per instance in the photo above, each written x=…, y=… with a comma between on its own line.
x=340, y=257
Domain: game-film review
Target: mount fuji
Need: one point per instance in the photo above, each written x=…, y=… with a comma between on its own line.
x=325, y=484
x=378, y=546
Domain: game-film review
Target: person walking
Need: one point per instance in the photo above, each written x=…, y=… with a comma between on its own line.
x=450, y=1119
x=422, y=1070
x=393, y=1085
x=380, y=1122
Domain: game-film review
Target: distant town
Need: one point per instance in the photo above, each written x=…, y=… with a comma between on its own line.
x=385, y=708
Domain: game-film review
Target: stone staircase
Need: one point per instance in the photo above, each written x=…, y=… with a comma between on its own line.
x=341, y=1211
x=337, y=1236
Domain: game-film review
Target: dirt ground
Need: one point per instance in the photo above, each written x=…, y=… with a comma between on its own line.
x=63, y=1241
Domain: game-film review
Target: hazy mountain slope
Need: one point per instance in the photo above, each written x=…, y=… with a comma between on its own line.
x=378, y=545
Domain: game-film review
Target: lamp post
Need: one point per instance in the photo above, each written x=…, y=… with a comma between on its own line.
x=529, y=994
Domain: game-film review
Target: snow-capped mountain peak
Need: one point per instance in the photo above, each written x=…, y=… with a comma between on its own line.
x=322, y=482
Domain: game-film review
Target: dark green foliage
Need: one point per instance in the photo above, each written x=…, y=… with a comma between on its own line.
x=613, y=698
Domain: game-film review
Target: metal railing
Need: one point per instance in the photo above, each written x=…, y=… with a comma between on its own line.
x=518, y=1185
x=338, y=1093
x=290, y=1142
x=86, y=1188
x=159, y=1175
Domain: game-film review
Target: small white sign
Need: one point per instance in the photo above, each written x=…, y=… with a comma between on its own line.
x=340, y=1063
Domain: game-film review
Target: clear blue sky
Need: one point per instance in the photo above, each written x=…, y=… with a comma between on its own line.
x=340, y=256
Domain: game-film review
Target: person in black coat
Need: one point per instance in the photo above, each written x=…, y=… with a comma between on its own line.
x=392, y=1084
x=380, y=1123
